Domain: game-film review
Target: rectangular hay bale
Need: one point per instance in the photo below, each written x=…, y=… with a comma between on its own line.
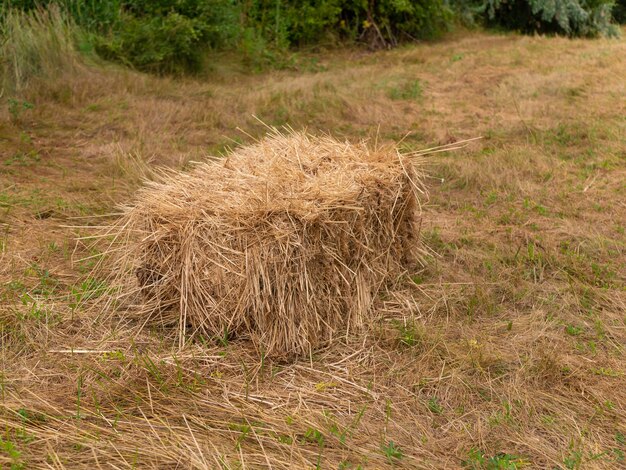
x=285, y=242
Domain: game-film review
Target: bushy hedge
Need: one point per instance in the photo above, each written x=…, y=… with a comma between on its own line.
x=172, y=36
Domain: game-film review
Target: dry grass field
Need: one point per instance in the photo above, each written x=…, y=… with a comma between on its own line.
x=505, y=351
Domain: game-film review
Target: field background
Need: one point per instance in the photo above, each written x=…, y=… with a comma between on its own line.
x=506, y=351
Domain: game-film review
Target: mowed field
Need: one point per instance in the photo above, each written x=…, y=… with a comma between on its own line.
x=504, y=351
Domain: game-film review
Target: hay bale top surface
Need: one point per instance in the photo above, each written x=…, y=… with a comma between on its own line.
x=296, y=174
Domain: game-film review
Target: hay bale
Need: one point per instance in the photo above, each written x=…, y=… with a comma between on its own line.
x=286, y=241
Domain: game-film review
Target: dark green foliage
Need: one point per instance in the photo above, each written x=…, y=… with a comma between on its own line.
x=469, y=13
x=168, y=36
x=167, y=44
x=401, y=20
x=382, y=23
x=173, y=35
x=619, y=11
x=158, y=36
x=585, y=18
x=215, y=23
x=91, y=14
x=290, y=22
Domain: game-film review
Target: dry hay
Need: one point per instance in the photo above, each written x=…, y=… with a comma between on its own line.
x=286, y=241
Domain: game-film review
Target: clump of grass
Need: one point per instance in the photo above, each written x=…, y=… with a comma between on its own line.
x=408, y=90
x=36, y=45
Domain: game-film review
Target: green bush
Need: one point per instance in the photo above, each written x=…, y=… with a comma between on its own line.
x=158, y=44
x=587, y=18
x=215, y=22
x=172, y=35
x=158, y=36
x=285, y=23
x=381, y=23
x=394, y=21
x=168, y=36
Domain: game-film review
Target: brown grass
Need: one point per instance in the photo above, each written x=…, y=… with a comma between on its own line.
x=508, y=344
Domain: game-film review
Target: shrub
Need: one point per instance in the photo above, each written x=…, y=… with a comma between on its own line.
x=172, y=35
x=159, y=44
x=158, y=36
x=393, y=21
x=166, y=35
x=619, y=11
x=382, y=23
x=216, y=22
x=567, y=17
x=286, y=23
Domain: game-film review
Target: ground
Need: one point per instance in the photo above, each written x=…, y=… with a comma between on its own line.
x=506, y=349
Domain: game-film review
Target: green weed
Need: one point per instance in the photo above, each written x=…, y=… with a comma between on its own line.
x=152, y=369
x=502, y=417
x=409, y=334
x=224, y=338
x=17, y=107
x=491, y=198
x=29, y=416
x=434, y=405
x=47, y=282
x=606, y=372
x=9, y=449
x=573, y=330
x=35, y=310
x=244, y=429
x=346, y=465
x=88, y=289
x=284, y=439
x=433, y=239
x=573, y=460
x=477, y=460
x=408, y=90
x=114, y=356
x=392, y=451
x=314, y=436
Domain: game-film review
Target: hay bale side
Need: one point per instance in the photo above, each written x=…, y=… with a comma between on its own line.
x=286, y=242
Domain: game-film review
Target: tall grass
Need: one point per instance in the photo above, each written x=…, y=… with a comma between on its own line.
x=35, y=46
